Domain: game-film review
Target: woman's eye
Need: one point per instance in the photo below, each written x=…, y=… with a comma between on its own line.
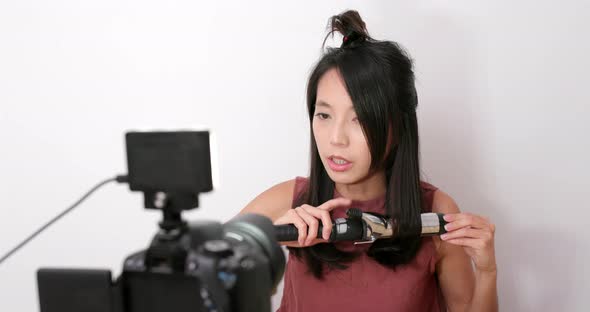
x=322, y=116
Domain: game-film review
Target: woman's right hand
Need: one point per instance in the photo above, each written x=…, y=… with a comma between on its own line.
x=305, y=218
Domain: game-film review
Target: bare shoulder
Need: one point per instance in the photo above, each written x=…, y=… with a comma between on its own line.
x=444, y=203
x=274, y=202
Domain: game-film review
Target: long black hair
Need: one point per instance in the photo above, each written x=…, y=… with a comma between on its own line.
x=380, y=81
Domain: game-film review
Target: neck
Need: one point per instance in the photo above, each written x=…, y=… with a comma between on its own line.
x=366, y=189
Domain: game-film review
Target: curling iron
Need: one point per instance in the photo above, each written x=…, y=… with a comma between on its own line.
x=364, y=227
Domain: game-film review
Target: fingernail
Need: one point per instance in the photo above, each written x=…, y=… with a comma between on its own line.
x=443, y=237
x=447, y=227
x=447, y=217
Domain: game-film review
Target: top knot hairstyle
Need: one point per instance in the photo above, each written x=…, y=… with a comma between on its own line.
x=352, y=28
x=380, y=81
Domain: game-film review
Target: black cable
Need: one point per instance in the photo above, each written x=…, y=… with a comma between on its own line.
x=118, y=178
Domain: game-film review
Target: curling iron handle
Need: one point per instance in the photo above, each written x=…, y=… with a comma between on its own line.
x=289, y=232
x=342, y=230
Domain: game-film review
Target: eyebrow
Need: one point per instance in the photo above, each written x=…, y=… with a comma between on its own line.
x=327, y=105
x=324, y=104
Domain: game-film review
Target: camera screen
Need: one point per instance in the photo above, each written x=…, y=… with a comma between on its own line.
x=169, y=161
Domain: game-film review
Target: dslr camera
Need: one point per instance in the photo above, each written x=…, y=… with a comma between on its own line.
x=197, y=266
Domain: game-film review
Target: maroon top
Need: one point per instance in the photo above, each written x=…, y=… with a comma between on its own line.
x=365, y=285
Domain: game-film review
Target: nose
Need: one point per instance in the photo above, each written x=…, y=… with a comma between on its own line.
x=338, y=135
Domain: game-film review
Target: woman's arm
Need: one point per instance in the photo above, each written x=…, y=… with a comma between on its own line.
x=469, y=241
x=274, y=202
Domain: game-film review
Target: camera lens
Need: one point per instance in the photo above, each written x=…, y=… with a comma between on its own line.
x=258, y=231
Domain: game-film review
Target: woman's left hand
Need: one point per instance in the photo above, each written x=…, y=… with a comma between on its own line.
x=476, y=235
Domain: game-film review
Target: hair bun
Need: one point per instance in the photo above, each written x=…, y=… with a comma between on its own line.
x=351, y=26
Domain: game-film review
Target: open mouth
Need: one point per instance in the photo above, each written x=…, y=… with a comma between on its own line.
x=337, y=163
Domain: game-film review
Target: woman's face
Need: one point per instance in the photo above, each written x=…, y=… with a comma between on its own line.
x=338, y=134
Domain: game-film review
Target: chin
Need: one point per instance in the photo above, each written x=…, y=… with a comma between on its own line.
x=343, y=177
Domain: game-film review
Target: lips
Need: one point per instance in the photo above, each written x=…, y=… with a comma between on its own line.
x=339, y=164
x=338, y=158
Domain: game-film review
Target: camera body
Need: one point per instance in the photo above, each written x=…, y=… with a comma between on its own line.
x=201, y=266
x=222, y=271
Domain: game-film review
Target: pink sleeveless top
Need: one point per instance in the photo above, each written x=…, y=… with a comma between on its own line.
x=365, y=285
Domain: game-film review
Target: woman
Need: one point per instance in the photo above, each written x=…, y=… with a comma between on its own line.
x=362, y=103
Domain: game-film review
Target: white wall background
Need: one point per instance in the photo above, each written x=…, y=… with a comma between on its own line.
x=503, y=89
